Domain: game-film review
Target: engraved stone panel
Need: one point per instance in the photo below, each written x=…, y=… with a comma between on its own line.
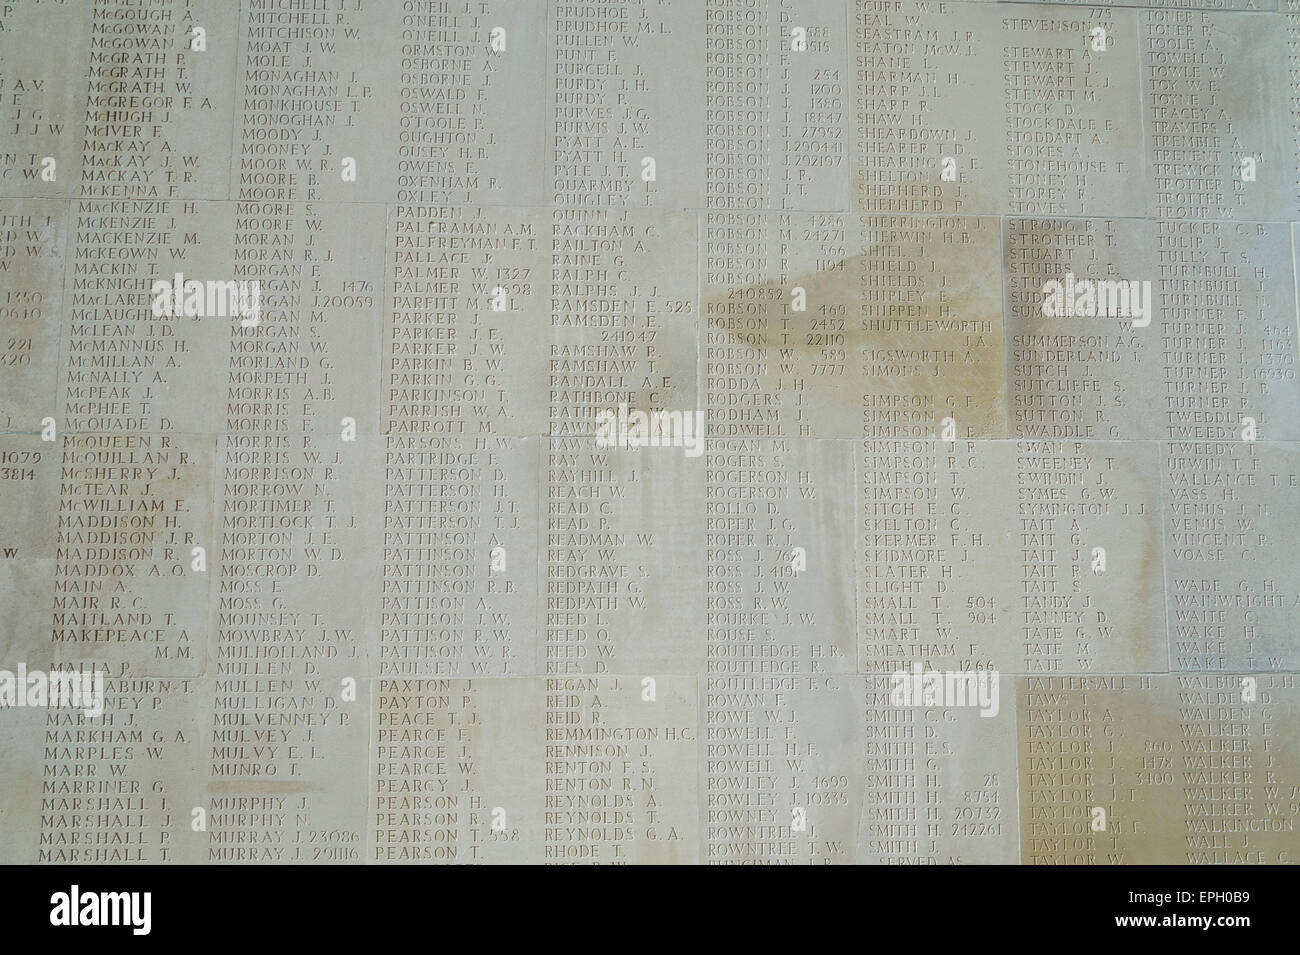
x=1216, y=344
x=1182, y=771
x=649, y=432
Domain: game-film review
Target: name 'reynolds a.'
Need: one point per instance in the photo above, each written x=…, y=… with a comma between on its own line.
x=1098, y=298
x=924, y=687
x=658, y=429
x=75, y=907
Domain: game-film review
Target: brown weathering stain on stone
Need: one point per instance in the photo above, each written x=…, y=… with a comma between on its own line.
x=939, y=268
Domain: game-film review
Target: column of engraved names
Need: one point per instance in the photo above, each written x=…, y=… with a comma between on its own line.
x=623, y=344
x=33, y=240
x=117, y=788
x=738, y=136
x=1066, y=83
x=1175, y=769
x=923, y=346
x=1230, y=588
x=129, y=494
x=1238, y=778
x=1053, y=391
x=914, y=86
x=132, y=500
x=1225, y=291
x=779, y=618
x=1213, y=152
x=309, y=124
x=926, y=602
x=774, y=94
x=470, y=107
x=134, y=496
x=462, y=328
x=459, y=589
x=909, y=491
x=925, y=801
x=746, y=321
x=295, y=455
x=591, y=165
x=1067, y=756
x=620, y=135
x=455, y=766
x=776, y=105
x=464, y=322
x=619, y=770
x=1089, y=550
x=623, y=575
x=65, y=781
x=152, y=96
x=1069, y=83
x=1206, y=347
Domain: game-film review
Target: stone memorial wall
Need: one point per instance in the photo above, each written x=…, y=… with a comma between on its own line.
x=649, y=431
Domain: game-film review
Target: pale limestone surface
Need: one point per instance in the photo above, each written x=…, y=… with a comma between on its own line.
x=368, y=588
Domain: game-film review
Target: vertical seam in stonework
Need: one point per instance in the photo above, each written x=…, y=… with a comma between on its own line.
x=234, y=85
